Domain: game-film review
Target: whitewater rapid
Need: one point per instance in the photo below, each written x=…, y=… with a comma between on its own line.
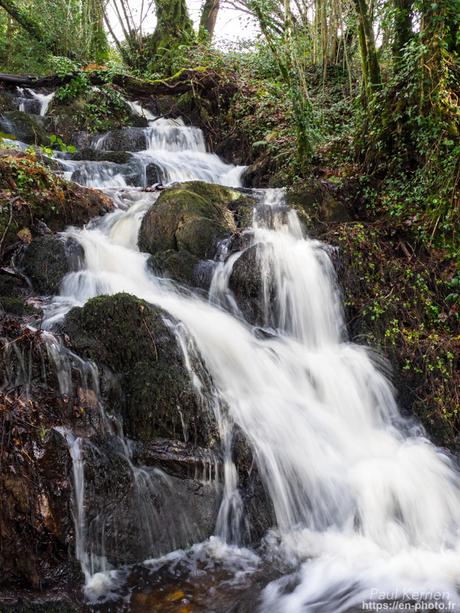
x=364, y=506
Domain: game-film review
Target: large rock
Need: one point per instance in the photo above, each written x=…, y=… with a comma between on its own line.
x=247, y=284
x=23, y=127
x=124, y=139
x=48, y=259
x=191, y=219
x=142, y=513
x=133, y=340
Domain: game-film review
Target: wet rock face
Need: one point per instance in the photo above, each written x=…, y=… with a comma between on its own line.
x=23, y=127
x=136, y=342
x=259, y=514
x=248, y=284
x=146, y=512
x=14, y=291
x=124, y=139
x=36, y=527
x=48, y=259
x=97, y=155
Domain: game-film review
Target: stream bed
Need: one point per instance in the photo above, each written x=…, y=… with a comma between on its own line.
x=363, y=510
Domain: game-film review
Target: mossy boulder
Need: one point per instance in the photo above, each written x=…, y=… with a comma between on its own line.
x=124, y=139
x=136, y=342
x=177, y=265
x=24, y=127
x=48, y=259
x=194, y=217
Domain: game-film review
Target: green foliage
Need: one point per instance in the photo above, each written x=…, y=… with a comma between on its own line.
x=57, y=143
x=78, y=86
x=92, y=108
x=401, y=305
x=4, y=141
x=63, y=66
x=71, y=31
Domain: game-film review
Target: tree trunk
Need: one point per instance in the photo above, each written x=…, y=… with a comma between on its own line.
x=402, y=28
x=26, y=22
x=174, y=28
x=369, y=58
x=209, y=17
x=97, y=43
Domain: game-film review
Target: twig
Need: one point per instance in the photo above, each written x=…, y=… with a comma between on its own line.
x=151, y=338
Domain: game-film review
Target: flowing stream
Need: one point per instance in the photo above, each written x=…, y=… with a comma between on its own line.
x=366, y=510
x=30, y=101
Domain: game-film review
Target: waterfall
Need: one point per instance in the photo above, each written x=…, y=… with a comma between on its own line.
x=165, y=152
x=360, y=501
x=33, y=102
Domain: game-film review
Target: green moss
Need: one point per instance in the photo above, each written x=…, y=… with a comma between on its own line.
x=193, y=217
x=16, y=306
x=23, y=127
x=398, y=305
x=131, y=338
x=177, y=265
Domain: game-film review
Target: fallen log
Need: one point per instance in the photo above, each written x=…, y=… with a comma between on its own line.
x=183, y=81
x=29, y=81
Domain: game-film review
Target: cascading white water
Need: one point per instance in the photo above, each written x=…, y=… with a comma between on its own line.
x=139, y=110
x=168, y=148
x=31, y=101
x=361, y=504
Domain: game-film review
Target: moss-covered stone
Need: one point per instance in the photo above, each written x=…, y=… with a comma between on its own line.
x=193, y=216
x=132, y=339
x=177, y=265
x=317, y=204
x=15, y=305
x=48, y=259
x=25, y=128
